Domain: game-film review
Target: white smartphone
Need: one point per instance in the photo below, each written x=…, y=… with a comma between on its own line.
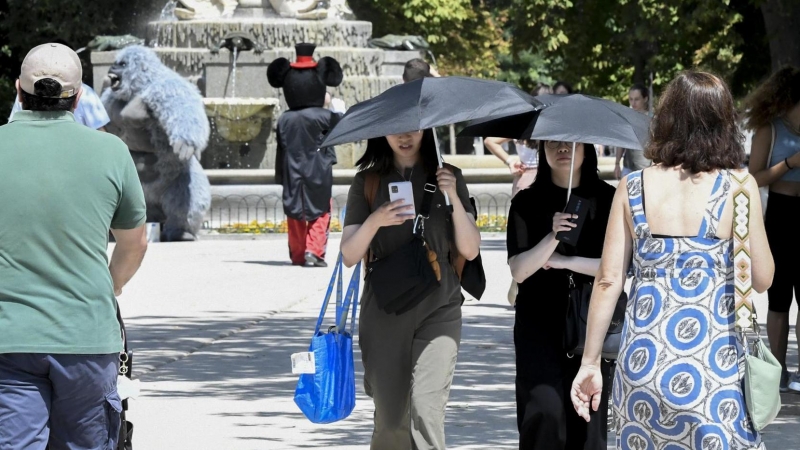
x=403, y=190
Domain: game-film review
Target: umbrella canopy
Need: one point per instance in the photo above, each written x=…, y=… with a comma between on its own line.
x=571, y=118
x=427, y=103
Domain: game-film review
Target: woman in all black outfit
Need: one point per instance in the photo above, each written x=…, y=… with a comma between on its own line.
x=542, y=266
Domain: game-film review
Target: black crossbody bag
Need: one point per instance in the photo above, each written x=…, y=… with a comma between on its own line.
x=403, y=279
x=580, y=293
x=125, y=366
x=577, y=320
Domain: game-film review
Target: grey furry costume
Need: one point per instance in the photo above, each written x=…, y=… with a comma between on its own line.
x=161, y=118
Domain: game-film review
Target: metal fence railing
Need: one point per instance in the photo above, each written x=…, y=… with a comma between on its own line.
x=264, y=213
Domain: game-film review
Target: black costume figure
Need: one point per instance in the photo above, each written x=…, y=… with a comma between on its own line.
x=303, y=168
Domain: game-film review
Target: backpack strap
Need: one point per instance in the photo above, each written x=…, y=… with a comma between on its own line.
x=371, y=183
x=745, y=313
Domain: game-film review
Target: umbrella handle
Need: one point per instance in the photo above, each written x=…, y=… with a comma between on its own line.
x=571, y=171
x=441, y=162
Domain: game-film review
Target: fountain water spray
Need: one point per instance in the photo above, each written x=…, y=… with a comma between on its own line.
x=233, y=71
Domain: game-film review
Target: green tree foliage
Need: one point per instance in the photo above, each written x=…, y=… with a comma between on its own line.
x=465, y=36
x=605, y=45
x=600, y=46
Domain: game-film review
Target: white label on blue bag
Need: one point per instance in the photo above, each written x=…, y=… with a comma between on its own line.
x=303, y=363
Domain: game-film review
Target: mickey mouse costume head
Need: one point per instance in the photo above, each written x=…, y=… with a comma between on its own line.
x=304, y=82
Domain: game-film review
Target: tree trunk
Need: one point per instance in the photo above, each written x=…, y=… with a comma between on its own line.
x=782, y=21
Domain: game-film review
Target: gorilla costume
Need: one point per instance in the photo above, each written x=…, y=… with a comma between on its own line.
x=303, y=168
x=160, y=116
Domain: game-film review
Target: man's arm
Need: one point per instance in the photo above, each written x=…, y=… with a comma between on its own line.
x=128, y=255
x=617, y=168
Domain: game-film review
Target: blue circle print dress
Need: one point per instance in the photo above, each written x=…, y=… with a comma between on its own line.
x=678, y=383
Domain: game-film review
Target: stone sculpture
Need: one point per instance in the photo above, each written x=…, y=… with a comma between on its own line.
x=160, y=116
x=109, y=43
x=238, y=40
x=205, y=9
x=313, y=9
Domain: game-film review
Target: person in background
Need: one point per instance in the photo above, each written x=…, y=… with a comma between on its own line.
x=544, y=267
x=542, y=89
x=679, y=382
x=633, y=160
x=90, y=111
x=415, y=69
x=562, y=87
x=774, y=109
x=62, y=187
x=522, y=165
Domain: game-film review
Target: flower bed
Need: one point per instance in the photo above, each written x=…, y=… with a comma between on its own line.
x=486, y=223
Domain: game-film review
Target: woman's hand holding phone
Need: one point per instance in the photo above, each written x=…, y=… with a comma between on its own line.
x=563, y=222
x=393, y=213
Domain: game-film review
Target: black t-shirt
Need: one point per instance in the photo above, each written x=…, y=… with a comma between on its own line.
x=542, y=299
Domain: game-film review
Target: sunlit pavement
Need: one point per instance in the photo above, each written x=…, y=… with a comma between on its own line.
x=213, y=324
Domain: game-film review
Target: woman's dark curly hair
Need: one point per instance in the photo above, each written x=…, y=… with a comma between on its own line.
x=774, y=98
x=694, y=126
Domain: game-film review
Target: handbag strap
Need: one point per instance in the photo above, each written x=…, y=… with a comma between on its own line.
x=336, y=279
x=351, y=296
x=745, y=313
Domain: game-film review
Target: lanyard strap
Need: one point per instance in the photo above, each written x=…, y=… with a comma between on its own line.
x=427, y=202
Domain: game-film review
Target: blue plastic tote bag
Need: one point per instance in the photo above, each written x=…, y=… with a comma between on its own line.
x=329, y=394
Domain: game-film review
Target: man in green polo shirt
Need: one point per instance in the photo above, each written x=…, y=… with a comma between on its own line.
x=62, y=187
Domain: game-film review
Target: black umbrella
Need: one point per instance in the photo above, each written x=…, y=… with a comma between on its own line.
x=428, y=103
x=571, y=118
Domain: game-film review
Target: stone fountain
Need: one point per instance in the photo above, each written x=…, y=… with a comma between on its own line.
x=240, y=103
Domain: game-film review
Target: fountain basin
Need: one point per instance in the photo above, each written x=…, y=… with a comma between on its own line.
x=240, y=119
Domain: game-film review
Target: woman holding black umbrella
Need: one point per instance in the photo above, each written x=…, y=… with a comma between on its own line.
x=409, y=355
x=544, y=269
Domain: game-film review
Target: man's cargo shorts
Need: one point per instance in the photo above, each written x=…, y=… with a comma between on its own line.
x=67, y=401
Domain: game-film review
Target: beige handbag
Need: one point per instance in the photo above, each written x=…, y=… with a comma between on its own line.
x=762, y=371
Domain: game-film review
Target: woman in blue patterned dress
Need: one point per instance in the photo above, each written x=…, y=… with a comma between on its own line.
x=678, y=384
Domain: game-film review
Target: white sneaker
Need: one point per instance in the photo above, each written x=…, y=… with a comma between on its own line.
x=794, y=382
